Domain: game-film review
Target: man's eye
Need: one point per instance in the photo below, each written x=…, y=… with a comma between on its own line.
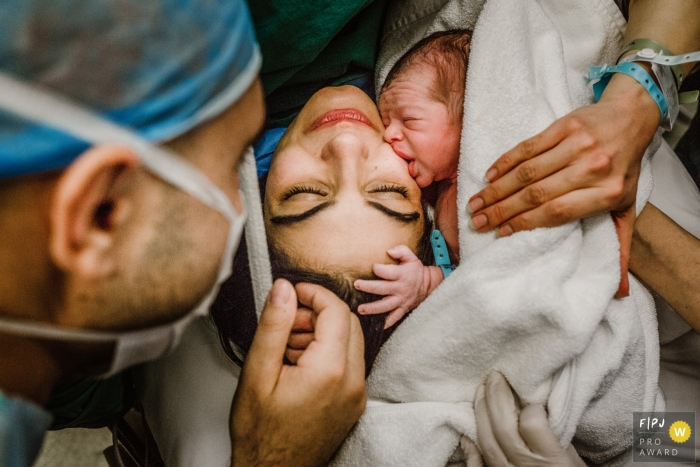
x=391, y=188
x=296, y=190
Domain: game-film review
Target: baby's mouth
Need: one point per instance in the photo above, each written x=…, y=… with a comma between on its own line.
x=412, y=170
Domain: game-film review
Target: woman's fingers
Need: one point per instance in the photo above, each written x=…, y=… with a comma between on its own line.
x=526, y=150
x=569, y=207
x=595, y=146
x=526, y=173
x=560, y=195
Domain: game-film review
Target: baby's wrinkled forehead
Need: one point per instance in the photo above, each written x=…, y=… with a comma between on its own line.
x=445, y=55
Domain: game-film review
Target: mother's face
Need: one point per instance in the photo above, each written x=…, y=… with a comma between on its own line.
x=337, y=196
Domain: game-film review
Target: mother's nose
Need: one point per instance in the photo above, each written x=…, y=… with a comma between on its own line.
x=345, y=146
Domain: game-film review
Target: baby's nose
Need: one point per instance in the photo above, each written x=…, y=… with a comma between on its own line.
x=393, y=132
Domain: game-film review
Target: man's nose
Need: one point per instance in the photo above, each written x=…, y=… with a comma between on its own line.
x=393, y=132
x=345, y=147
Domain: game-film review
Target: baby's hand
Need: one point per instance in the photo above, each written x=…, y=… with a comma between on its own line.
x=405, y=286
x=302, y=334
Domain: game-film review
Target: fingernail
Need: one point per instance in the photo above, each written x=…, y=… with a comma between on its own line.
x=281, y=291
x=478, y=222
x=505, y=231
x=491, y=174
x=356, y=284
x=360, y=310
x=475, y=204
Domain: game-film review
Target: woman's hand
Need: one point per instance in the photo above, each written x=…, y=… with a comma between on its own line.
x=585, y=163
x=510, y=437
x=404, y=287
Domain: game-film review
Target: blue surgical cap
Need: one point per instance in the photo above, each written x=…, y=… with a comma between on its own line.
x=158, y=67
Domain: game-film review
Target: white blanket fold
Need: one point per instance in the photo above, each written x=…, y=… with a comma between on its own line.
x=537, y=306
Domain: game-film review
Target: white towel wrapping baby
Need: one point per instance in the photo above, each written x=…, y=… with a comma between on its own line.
x=537, y=306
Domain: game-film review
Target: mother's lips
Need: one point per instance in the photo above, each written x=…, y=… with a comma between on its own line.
x=338, y=115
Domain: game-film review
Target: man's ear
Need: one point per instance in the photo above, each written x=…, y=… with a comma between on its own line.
x=88, y=196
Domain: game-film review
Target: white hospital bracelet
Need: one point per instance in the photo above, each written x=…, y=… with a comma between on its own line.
x=649, y=55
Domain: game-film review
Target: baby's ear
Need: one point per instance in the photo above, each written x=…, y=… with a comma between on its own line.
x=83, y=216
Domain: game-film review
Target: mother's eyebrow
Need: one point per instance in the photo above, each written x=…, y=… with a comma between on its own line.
x=294, y=218
x=406, y=218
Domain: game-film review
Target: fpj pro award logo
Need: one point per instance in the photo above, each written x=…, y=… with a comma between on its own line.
x=664, y=437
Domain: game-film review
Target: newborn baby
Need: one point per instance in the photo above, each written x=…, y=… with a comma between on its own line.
x=421, y=104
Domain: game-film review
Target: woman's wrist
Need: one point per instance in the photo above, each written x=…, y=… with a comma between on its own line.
x=631, y=97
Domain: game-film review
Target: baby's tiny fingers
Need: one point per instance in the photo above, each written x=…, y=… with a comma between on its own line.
x=402, y=253
x=389, y=272
x=376, y=287
x=394, y=317
x=380, y=306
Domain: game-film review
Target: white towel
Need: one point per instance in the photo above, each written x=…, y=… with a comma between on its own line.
x=537, y=306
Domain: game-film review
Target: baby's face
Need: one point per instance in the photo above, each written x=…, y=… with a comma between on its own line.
x=419, y=126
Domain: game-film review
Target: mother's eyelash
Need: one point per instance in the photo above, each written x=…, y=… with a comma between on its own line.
x=391, y=188
x=295, y=190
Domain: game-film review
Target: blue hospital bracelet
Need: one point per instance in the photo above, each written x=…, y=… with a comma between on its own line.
x=600, y=76
x=442, y=257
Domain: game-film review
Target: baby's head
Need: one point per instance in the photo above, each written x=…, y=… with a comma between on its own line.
x=421, y=105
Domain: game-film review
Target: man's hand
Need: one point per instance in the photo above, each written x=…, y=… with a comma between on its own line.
x=302, y=334
x=509, y=437
x=585, y=163
x=404, y=287
x=298, y=415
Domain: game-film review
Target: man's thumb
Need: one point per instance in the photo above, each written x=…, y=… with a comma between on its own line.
x=270, y=341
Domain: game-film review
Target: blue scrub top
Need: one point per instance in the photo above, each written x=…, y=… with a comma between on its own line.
x=22, y=429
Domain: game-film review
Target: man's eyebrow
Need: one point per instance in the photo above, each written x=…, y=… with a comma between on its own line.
x=294, y=218
x=406, y=218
